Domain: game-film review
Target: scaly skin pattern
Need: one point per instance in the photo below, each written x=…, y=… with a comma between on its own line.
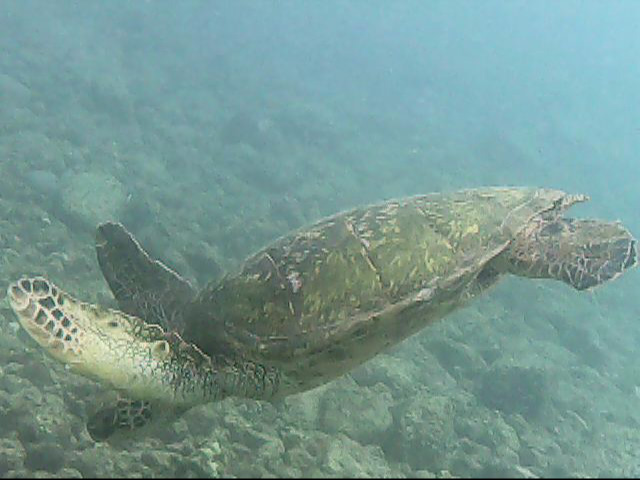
x=129, y=355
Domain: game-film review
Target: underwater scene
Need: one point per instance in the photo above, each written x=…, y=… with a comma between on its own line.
x=148, y=149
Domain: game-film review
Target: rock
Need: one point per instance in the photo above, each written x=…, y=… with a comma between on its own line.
x=458, y=359
x=37, y=372
x=172, y=430
x=346, y=458
x=361, y=413
x=538, y=450
x=522, y=390
x=12, y=455
x=48, y=457
x=265, y=447
x=202, y=261
x=304, y=408
x=486, y=428
x=580, y=341
x=302, y=458
x=317, y=454
x=94, y=462
x=423, y=474
x=398, y=374
x=14, y=384
x=498, y=468
x=488, y=442
x=287, y=209
x=424, y=431
x=93, y=197
x=27, y=414
x=150, y=459
x=42, y=474
x=69, y=473
x=45, y=419
x=19, y=473
x=245, y=127
x=43, y=182
x=468, y=459
x=201, y=421
x=12, y=91
x=207, y=459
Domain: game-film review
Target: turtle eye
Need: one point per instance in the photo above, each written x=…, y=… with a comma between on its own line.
x=161, y=348
x=113, y=324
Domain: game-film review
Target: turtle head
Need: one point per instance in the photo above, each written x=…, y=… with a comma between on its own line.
x=103, y=344
x=129, y=355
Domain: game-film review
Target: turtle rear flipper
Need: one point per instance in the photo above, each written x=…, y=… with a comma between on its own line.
x=142, y=286
x=582, y=253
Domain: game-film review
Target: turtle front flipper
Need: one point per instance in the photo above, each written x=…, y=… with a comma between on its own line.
x=122, y=415
x=142, y=286
x=117, y=417
x=582, y=253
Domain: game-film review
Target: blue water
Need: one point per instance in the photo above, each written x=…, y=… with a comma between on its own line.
x=211, y=128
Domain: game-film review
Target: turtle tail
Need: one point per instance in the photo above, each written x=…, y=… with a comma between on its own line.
x=581, y=253
x=143, y=287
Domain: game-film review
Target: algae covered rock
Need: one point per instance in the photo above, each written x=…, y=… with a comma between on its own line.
x=47, y=456
x=305, y=409
x=396, y=373
x=459, y=360
x=13, y=92
x=424, y=430
x=93, y=197
x=489, y=443
x=345, y=458
x=12, y=455
x=362, y=414
x=522, y=390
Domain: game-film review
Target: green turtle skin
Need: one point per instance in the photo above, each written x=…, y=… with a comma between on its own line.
x=315, y=303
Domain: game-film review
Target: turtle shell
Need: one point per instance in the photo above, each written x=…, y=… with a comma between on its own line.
x=323, y=299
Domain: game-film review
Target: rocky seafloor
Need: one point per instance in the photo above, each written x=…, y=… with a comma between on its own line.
x=206, y=166
x=534, y=379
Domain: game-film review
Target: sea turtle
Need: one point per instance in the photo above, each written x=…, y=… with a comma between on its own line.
x=314, y=304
